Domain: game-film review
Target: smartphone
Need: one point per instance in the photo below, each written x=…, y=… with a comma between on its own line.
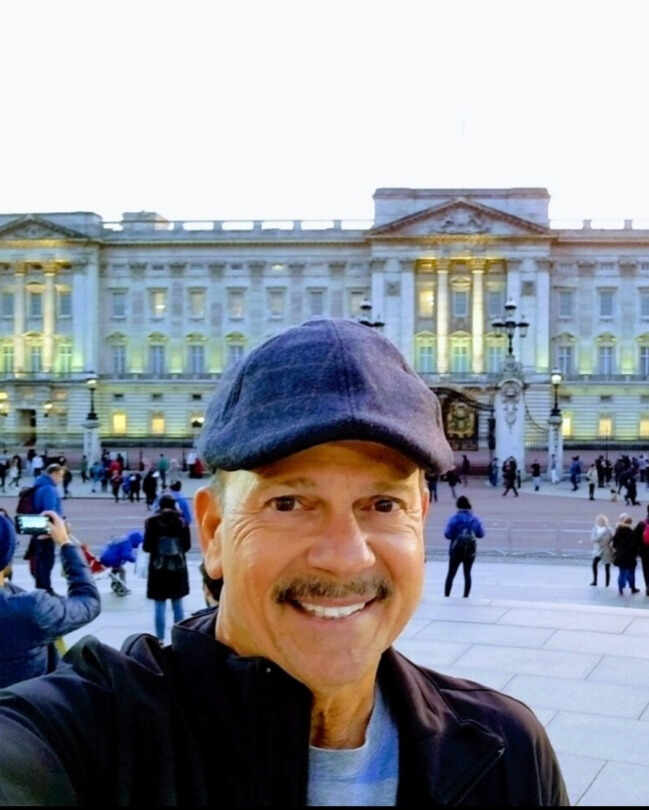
x=32, y=524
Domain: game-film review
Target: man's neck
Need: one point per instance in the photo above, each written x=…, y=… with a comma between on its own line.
x=341, y=720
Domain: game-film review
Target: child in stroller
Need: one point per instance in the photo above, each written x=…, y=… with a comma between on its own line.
x=112, y=557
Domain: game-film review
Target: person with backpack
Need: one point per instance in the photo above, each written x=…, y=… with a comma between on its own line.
x=462, y=529
x=642, y=540
x=44, y=497
x=167, y=539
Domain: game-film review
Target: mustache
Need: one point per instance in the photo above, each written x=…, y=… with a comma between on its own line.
x=301, y=588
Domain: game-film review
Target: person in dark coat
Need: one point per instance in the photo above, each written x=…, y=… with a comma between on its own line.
x=626, y=550
x=167, y=539
x=46, y=497
x=462, y=519
x=150, y=487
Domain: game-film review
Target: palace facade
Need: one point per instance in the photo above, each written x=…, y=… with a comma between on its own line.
x=156, y=310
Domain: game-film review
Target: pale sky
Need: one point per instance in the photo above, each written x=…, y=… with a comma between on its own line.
x=285, y=109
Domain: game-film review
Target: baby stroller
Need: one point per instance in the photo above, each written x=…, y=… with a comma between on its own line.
x=117, y=552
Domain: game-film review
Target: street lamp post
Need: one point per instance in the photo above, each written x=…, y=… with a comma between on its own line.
x=366, y=316
x=91, y=382
x=508, y=326
x=555, y=436
x=91, y=446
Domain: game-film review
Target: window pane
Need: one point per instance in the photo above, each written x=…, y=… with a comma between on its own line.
x=605, y=304
x=7, y=358
x=356, y=298
x=564, y=360
x=197, y=359
x=119, y=422
x=425, y=358
x=495, y=303
x=197, y=303
x=156, y=360
x=65, y=358
x=65, y=304
x=276, y=303
x=235, y=304
x=460, y=358
x=119, y=305
x=157, y=424
x=605, y=426
x=35, y=359
x=495, y=358
x=460, y=303
x=565, y=303
x=605, y=364
x=158, y=303
x=119, y=359
x=7, y=305
x=235, y=353
x=316, y=302
x=644, y=360
x=36, y=304
x=426, y=303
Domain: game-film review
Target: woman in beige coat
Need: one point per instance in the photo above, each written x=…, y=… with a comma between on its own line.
x=602, y=537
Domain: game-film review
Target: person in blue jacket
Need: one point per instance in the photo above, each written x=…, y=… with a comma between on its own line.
x=46, y=498
x=461, y=522
x=31, y=621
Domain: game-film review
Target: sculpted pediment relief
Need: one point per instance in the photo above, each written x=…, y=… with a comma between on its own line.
x=459, y=217
x=35, y=228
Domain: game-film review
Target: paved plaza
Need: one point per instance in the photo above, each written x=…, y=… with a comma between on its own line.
x=532, y=627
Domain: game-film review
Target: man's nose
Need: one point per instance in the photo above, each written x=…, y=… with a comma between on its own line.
x=341, y=546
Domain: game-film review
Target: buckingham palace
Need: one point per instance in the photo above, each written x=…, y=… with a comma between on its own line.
x=127, y=326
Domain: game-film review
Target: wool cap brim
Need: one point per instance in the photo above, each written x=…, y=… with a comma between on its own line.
x=323, y=381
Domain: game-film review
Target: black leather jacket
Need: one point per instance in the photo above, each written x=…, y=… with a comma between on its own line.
x=195, y=724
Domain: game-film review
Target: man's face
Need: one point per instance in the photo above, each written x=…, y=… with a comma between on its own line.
x=322, y=556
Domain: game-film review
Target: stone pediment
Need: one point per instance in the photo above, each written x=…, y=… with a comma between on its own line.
x=459, y=217
x=33, y=228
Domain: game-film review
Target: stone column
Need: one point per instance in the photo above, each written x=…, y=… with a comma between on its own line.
x=91, y=342
x=555, y=444
x=442, y=269
x=477, y=315
x=49, y=310
x=514, y=293
x=91, y=442
x=408, y=304
x=541, y=326
x=19, y=317
x=79, y=315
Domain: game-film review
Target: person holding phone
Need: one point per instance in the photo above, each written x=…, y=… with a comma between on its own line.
x=32, y=620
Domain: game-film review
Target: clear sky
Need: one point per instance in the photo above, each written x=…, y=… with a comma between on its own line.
x=278, y=108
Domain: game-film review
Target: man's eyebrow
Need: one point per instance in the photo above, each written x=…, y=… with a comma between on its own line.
x=295, y=481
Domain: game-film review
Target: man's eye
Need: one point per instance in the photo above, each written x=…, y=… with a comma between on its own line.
x=385, y=505
x=285, y=503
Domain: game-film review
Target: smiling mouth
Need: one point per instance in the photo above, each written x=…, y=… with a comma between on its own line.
x=323, y=612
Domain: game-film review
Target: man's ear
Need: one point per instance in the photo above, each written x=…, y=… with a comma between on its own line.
x=208, y=519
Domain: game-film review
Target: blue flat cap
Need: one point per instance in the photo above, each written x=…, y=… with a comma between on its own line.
x=323, y=381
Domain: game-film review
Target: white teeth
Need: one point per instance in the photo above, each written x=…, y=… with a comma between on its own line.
x=331, y=612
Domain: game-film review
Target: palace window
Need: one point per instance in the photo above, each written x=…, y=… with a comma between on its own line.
x=460, y=360
x=495, y=357
x=196, y=358
x=644, y=361
x=644, y=304
x=460, y=303
x=118, y=420
x=235, y=354
x=605, y=358
x=236, y=304
x=643, y=426
x=157, y=423
x=7, y=358
x=566, y=424
x=426, y=303
x=7, y=305
x=276, y=303
x=158, y=303
x=35, y=359
x=156, y=360
x=197, y=303
x=565, y=360
x=65, y=358
x=425, y=360
x=316, y=303
x=606, y=303
x=118, y=299
x=605, y=426
x=356, y=298
x=64, y=304
x=565, y=303
x=35, y=304
x=119, y=359
x=495, y=303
